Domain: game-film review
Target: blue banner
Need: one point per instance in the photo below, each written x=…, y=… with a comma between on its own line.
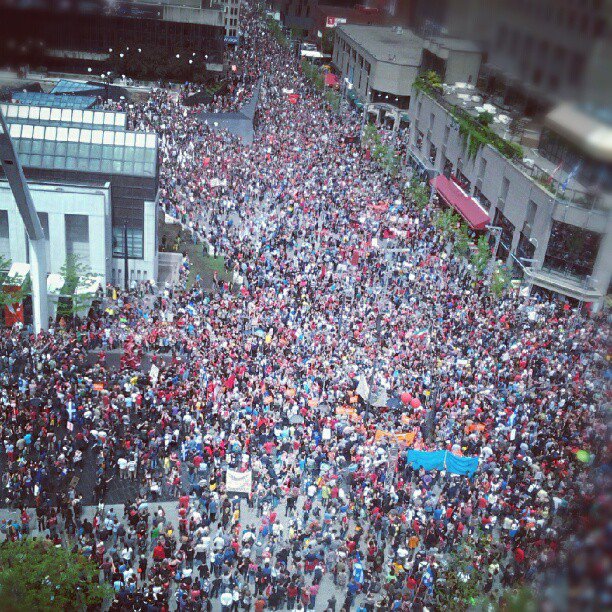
x=443, y=460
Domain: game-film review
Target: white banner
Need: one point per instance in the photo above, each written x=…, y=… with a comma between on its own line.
x=154, y=373
x=238, y=482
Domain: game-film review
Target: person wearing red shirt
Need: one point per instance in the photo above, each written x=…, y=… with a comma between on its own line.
x=519, y=555
x=159, y=553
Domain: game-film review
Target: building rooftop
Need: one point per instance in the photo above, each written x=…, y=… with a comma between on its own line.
x=97, y=148
x=53, y=101
x=387, y=44
x=435, y=43
x=584, y=130
x=64, y=86
x=65, y=117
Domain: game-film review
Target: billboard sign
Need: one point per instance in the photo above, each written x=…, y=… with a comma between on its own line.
x=332, y=22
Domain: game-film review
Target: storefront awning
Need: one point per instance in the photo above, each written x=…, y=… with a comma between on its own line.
x=467, y=207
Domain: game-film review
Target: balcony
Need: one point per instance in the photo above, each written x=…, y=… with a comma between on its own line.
x=465, y=120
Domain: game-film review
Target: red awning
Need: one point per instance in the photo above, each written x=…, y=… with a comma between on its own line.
x=466, y=206
x=331, y=80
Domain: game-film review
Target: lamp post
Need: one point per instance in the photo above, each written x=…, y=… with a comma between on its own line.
x=498, y=232
x=126, y=263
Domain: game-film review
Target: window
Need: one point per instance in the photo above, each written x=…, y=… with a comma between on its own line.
x=482, y=199
x=503, y=194
x=77, y=237
x=448, y=167
x=571, y=250
x=483, y=168
x=507, y=234
x=532, y=209
x=134, y=242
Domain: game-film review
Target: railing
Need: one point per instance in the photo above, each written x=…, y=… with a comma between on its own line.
x=573, y=197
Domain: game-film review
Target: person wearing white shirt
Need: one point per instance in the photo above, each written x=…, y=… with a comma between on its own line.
x=122, y=463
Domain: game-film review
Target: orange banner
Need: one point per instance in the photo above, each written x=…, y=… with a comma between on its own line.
x=406, y=438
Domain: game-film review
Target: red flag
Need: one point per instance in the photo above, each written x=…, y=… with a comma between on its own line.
x=206, y=161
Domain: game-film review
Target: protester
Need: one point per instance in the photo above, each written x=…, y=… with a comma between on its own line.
x=264, y=371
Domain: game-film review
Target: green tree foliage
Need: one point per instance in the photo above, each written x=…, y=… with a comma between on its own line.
x=460, y=586
x=500, y=280
x=333, y=99
x=277, y=32
x=463, y=240
x=429, y=82
x=447, y=221
x=313, y=74
x=482, y=256
x=36, y=577
x=327, y=42
x=418, y=194
x=370, y=138
x=77, y=276
x=16, y=295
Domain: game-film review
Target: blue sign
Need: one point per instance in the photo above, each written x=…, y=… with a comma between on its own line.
x=231, y=40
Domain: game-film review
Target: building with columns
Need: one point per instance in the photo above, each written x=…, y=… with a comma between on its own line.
x=93, y=183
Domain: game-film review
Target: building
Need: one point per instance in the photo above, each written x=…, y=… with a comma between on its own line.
x=327, y=17
x=300, y=14
x=537, y=53
x=379, y=64
x=94, y=35
x=553, y=221
x=92, y=181
x=549, y=51
x=231, y=18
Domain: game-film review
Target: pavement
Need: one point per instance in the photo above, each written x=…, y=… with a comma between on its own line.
x=248, y=516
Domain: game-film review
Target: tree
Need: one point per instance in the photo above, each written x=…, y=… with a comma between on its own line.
x=446, y=221
x=482, y=256
x=15, y=296
x=485, y=118
x=419, y=194
x=460, y=585
x=462, y=240
x=34, y=576
x=429, y=82
x=500, y=280
x=333, y=99
x=76, y=293
x=327, y=42
x=371, y=137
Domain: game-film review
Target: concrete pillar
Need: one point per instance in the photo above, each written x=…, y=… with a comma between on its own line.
x=57, y=240
x=17, y=237
x=97, y=245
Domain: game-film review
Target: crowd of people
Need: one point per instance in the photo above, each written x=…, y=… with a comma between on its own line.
x=263, y=372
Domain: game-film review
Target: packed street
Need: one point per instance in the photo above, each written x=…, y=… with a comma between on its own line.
x=344, y=345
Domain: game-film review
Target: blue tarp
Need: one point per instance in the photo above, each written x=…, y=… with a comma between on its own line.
x=443, y=460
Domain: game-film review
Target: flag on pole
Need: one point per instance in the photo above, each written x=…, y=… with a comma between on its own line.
x=418, y=333
x=549, y=180
x=570, y=176
x=363, y=389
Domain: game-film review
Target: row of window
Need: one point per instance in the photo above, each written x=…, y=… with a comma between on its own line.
x=76, y=230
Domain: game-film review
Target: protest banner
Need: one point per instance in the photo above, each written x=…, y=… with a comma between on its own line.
x=239, y=482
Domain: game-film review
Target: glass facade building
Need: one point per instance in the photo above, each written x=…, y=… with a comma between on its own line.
x=91, y=148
